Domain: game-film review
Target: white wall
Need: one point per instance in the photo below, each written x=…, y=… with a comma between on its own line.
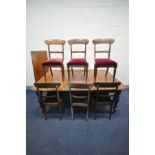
x=66, y=19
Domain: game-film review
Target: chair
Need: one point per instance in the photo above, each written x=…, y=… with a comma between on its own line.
x=106, y=95
x=78, y=62
x=78, y=98
x=104, y=62
x=48, y=96
x=54, y=62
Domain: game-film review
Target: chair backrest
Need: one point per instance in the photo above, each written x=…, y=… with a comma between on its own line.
x=75, y=89
x=41, y=86
x=54, y=42
x=103, y=41
x=110, y=87
x=73, y=42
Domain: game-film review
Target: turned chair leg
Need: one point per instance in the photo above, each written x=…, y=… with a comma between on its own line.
x=60, y=111
x=87, y=114
x=110, y=112
x=45, y=112
x=72, y=115
x=94, y=111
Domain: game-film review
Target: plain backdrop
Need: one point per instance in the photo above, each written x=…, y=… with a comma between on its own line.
x=13, y=77
x=66, y=19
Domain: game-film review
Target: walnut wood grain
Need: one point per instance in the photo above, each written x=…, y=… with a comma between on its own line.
x=78, y=77
x=37, y=58
x=55, y=42
x=103, y=41
x=78, y=41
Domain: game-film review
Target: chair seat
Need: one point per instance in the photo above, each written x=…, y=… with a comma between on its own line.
x=77, y=61
x=105, y=62
x=53, y=62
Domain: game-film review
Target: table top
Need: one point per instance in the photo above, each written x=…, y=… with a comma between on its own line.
x=79, y=77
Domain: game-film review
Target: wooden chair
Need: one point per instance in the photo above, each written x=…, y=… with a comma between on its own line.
x=78, y=62
x=104, y=62
x=48, y=96
x=54, y=62
x=106, y=98
x=78, y=98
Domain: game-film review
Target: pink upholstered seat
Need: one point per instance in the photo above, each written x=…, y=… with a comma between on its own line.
x=53, y=62
x=77, y=61
x=105, y=62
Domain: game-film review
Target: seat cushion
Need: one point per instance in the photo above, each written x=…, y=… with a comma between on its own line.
x=53, y=62
x=77, y=61
x=105, y=62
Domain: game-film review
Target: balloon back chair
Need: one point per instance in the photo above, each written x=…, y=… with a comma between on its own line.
x=104, y=62
x=54, y=62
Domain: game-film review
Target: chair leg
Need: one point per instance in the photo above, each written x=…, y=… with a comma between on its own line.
x=110, y=112
x=114, y=74
x=41, y=106
x=51, y=71
x=63, y=73
x=68, y=73
x=72, y=70
x=60, y=111
x=45, y=112
x=44, y=74
x=107, y=71
x=40, y=101
x=95, y=73
x=72, y=115
x=95, y=111
x=87, y=113
x=86, y=73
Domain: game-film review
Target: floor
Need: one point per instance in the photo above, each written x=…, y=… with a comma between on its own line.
x=78, y=137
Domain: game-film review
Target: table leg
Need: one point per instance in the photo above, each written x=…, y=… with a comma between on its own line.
x=117, y=100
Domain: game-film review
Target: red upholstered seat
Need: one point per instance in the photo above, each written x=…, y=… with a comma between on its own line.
x=53, y=62
x=77, y=61
x=105, y=61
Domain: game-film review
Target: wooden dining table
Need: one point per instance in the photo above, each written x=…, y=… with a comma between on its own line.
x=77, y=77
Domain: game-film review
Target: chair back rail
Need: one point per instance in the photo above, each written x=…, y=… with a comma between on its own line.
x=46, y=99
x=47, y=85
x=108, y=98
x=107, y=84
x=78, y=41
x=53, y=42
x=79, y=86
x=72, y=42
x=112, y=95
x=103, y=41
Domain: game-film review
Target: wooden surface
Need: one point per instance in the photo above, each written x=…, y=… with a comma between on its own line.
x=103, y=41
x=37, y=58
x=77, y=77
x=55, y=42
x=78, y=41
